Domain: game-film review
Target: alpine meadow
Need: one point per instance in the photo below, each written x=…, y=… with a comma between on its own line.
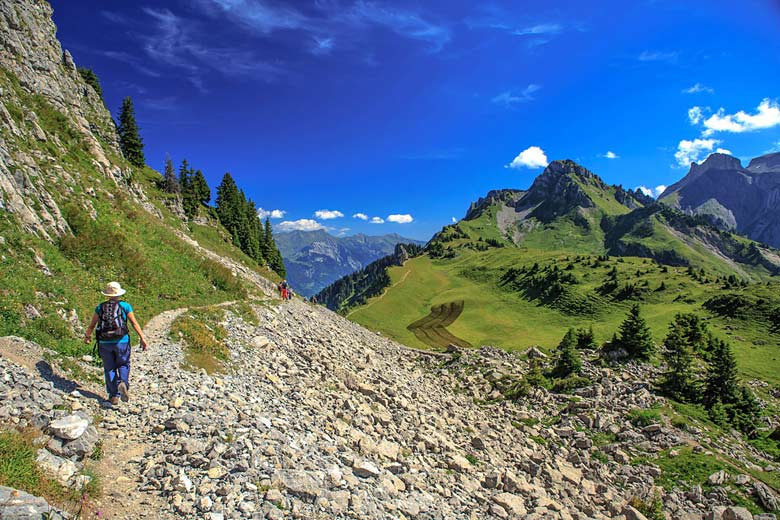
x=233, y=285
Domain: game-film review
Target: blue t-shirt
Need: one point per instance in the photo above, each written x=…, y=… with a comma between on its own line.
x=128, y=309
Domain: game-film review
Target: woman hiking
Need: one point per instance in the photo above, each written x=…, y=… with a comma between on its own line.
x=111, y=319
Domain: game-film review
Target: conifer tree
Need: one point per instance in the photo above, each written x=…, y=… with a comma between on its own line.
x=91, y=78
x=679, y=358
x=201, y=188
x=129, y=137
x=635, y=337
x=721, y=384
x=228, y=205
x=568, y=359
x=170, y=183
x=586, y=339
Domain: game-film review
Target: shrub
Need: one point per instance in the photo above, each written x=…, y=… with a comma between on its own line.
x=644, y=417
x=567, y=384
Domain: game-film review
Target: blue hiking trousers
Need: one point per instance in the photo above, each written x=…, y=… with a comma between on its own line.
x=116, y=365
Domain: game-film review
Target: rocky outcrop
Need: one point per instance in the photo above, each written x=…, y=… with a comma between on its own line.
x=733, y=197
x=47, y=113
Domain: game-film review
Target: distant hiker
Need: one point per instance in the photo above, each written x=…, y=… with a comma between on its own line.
x=284, y=290
x=113, y=341
x=313, y=299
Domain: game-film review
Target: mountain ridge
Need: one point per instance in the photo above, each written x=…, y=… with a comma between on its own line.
x=315, y=259
x=733, y=197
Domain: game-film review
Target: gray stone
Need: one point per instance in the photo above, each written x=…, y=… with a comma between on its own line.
x=69, y=428
x=56, y=467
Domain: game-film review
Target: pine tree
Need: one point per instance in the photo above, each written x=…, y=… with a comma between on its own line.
x=586, y=339
x=129, y=137
x=635, y=337
x=721, y=384
x=201, y=188
x=91, y=78
x=568, y=359
x=228, y=207
x=679, y=358
x=170, y=184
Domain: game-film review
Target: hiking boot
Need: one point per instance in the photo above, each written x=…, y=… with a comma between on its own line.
x=123, y=391
x=114, y=401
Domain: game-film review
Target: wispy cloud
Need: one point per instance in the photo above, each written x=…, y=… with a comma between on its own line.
x=536, y=30
x=659, y=56
x=131, y=60
x=360, y=216
x=331, y=20
x=511, y=99
x=377, y=220
x=698, y=88
x=766, y=115
x=532, y=157
x=611, y=155
x=327, y=214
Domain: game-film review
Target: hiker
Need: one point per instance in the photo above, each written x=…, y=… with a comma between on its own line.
x=283, y=289
x=113, y=341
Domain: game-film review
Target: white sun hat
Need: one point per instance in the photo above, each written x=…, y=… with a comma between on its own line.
x=113, y=289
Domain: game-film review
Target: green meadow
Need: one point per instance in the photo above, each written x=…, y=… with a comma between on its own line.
x=515, y=318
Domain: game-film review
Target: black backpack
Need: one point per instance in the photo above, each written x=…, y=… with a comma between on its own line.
x=112, y=322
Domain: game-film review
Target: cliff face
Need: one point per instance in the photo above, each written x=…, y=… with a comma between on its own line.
x=746, y=200
x=48, y=113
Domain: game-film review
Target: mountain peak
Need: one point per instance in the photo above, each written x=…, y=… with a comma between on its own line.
x=765, y=163
x=717, y=161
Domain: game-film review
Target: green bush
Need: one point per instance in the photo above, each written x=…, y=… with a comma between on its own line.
x=567, y=384
x=646, y=417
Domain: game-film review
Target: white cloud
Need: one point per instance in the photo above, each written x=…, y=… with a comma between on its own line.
x=327, y=214
x=695, y=115
x=767, y=115
x=303, y=224
x=611, y=155
x=377, y=220
x=692, y=151
x=654, y=192
x=361, y=216
x=644, y=189
x=531, y=157
x=510, y=99
x=697, y=88
x=262, y=214
x=723, y=150
x=454, y=220
x=400, y=219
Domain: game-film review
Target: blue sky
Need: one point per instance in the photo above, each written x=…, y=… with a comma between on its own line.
x=376, y=117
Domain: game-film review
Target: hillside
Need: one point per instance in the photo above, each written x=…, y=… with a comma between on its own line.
x=74, y=214
x=315, y=259
x=569, y=252
x=731, y=196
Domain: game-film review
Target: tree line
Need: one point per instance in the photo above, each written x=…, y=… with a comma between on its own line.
x=237, y=213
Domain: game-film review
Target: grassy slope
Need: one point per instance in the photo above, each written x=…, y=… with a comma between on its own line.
x=494, y=315
x=142, y=251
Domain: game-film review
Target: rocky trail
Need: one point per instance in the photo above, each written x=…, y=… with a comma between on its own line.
x=315, y=417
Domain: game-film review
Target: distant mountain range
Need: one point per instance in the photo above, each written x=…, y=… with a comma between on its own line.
x=732, y=197
x=315, y=259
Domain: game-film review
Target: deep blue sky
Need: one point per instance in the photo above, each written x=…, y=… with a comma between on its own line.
x=399, y=108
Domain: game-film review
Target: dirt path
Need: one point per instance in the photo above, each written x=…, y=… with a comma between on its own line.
x=374, y=300
x=124, y=447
